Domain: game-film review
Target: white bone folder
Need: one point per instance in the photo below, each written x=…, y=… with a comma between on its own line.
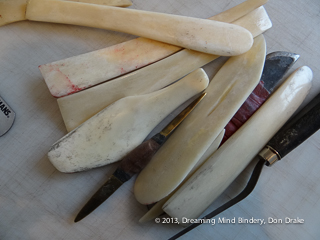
x=77, y=73
x=15, y=10
x=122, y=126
x=156, y=209
x=79, y=107
x=227, y=91
x=217, y=173
x=187, y=32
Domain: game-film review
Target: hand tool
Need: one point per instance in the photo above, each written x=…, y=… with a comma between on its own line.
x=90, y=69
x=227, y=91
x=119, y=128
x=239, y=150
x=192, y=33
x=75, y=108
x=135, y=161
x=299, y=128
x=15, y=10
x=276, y=66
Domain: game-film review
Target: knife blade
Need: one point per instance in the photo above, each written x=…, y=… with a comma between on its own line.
x=134, y=162
x=7, y=116
x=291, y=135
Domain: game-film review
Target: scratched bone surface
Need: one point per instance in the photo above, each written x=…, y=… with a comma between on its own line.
x=37, y=201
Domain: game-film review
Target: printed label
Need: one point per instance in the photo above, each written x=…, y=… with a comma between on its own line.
x=5, y=109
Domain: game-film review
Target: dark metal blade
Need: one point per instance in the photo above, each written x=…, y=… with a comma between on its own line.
x=99, y=197
x=276, y=66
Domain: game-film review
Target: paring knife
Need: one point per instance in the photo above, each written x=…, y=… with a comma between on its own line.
x=134, y=162
x=291, y=135
x=7, y=116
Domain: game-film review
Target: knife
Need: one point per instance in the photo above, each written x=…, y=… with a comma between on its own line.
x=277, y=64
x=290, y=136
x=134, y=162
x=7, y=116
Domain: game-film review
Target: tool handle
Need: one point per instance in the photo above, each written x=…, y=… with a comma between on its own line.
x=297, y=130
x=139, y=157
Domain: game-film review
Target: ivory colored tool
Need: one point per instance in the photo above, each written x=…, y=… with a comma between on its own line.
x=134, y=162
x=192, y=33
x=15, y=10
x=119, y=128
x=276, y=66
x=229, y=88
x=77, y=108
x=291, y=135
x=218, y=172
x=68, y=76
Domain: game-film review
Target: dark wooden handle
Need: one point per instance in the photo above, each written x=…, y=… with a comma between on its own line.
x=139, y=157
x=298, y=130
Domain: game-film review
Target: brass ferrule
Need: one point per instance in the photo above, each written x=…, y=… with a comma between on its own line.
x=270, y=155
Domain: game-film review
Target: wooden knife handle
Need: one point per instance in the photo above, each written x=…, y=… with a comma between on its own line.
x=297, y=130
x=139, y=157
